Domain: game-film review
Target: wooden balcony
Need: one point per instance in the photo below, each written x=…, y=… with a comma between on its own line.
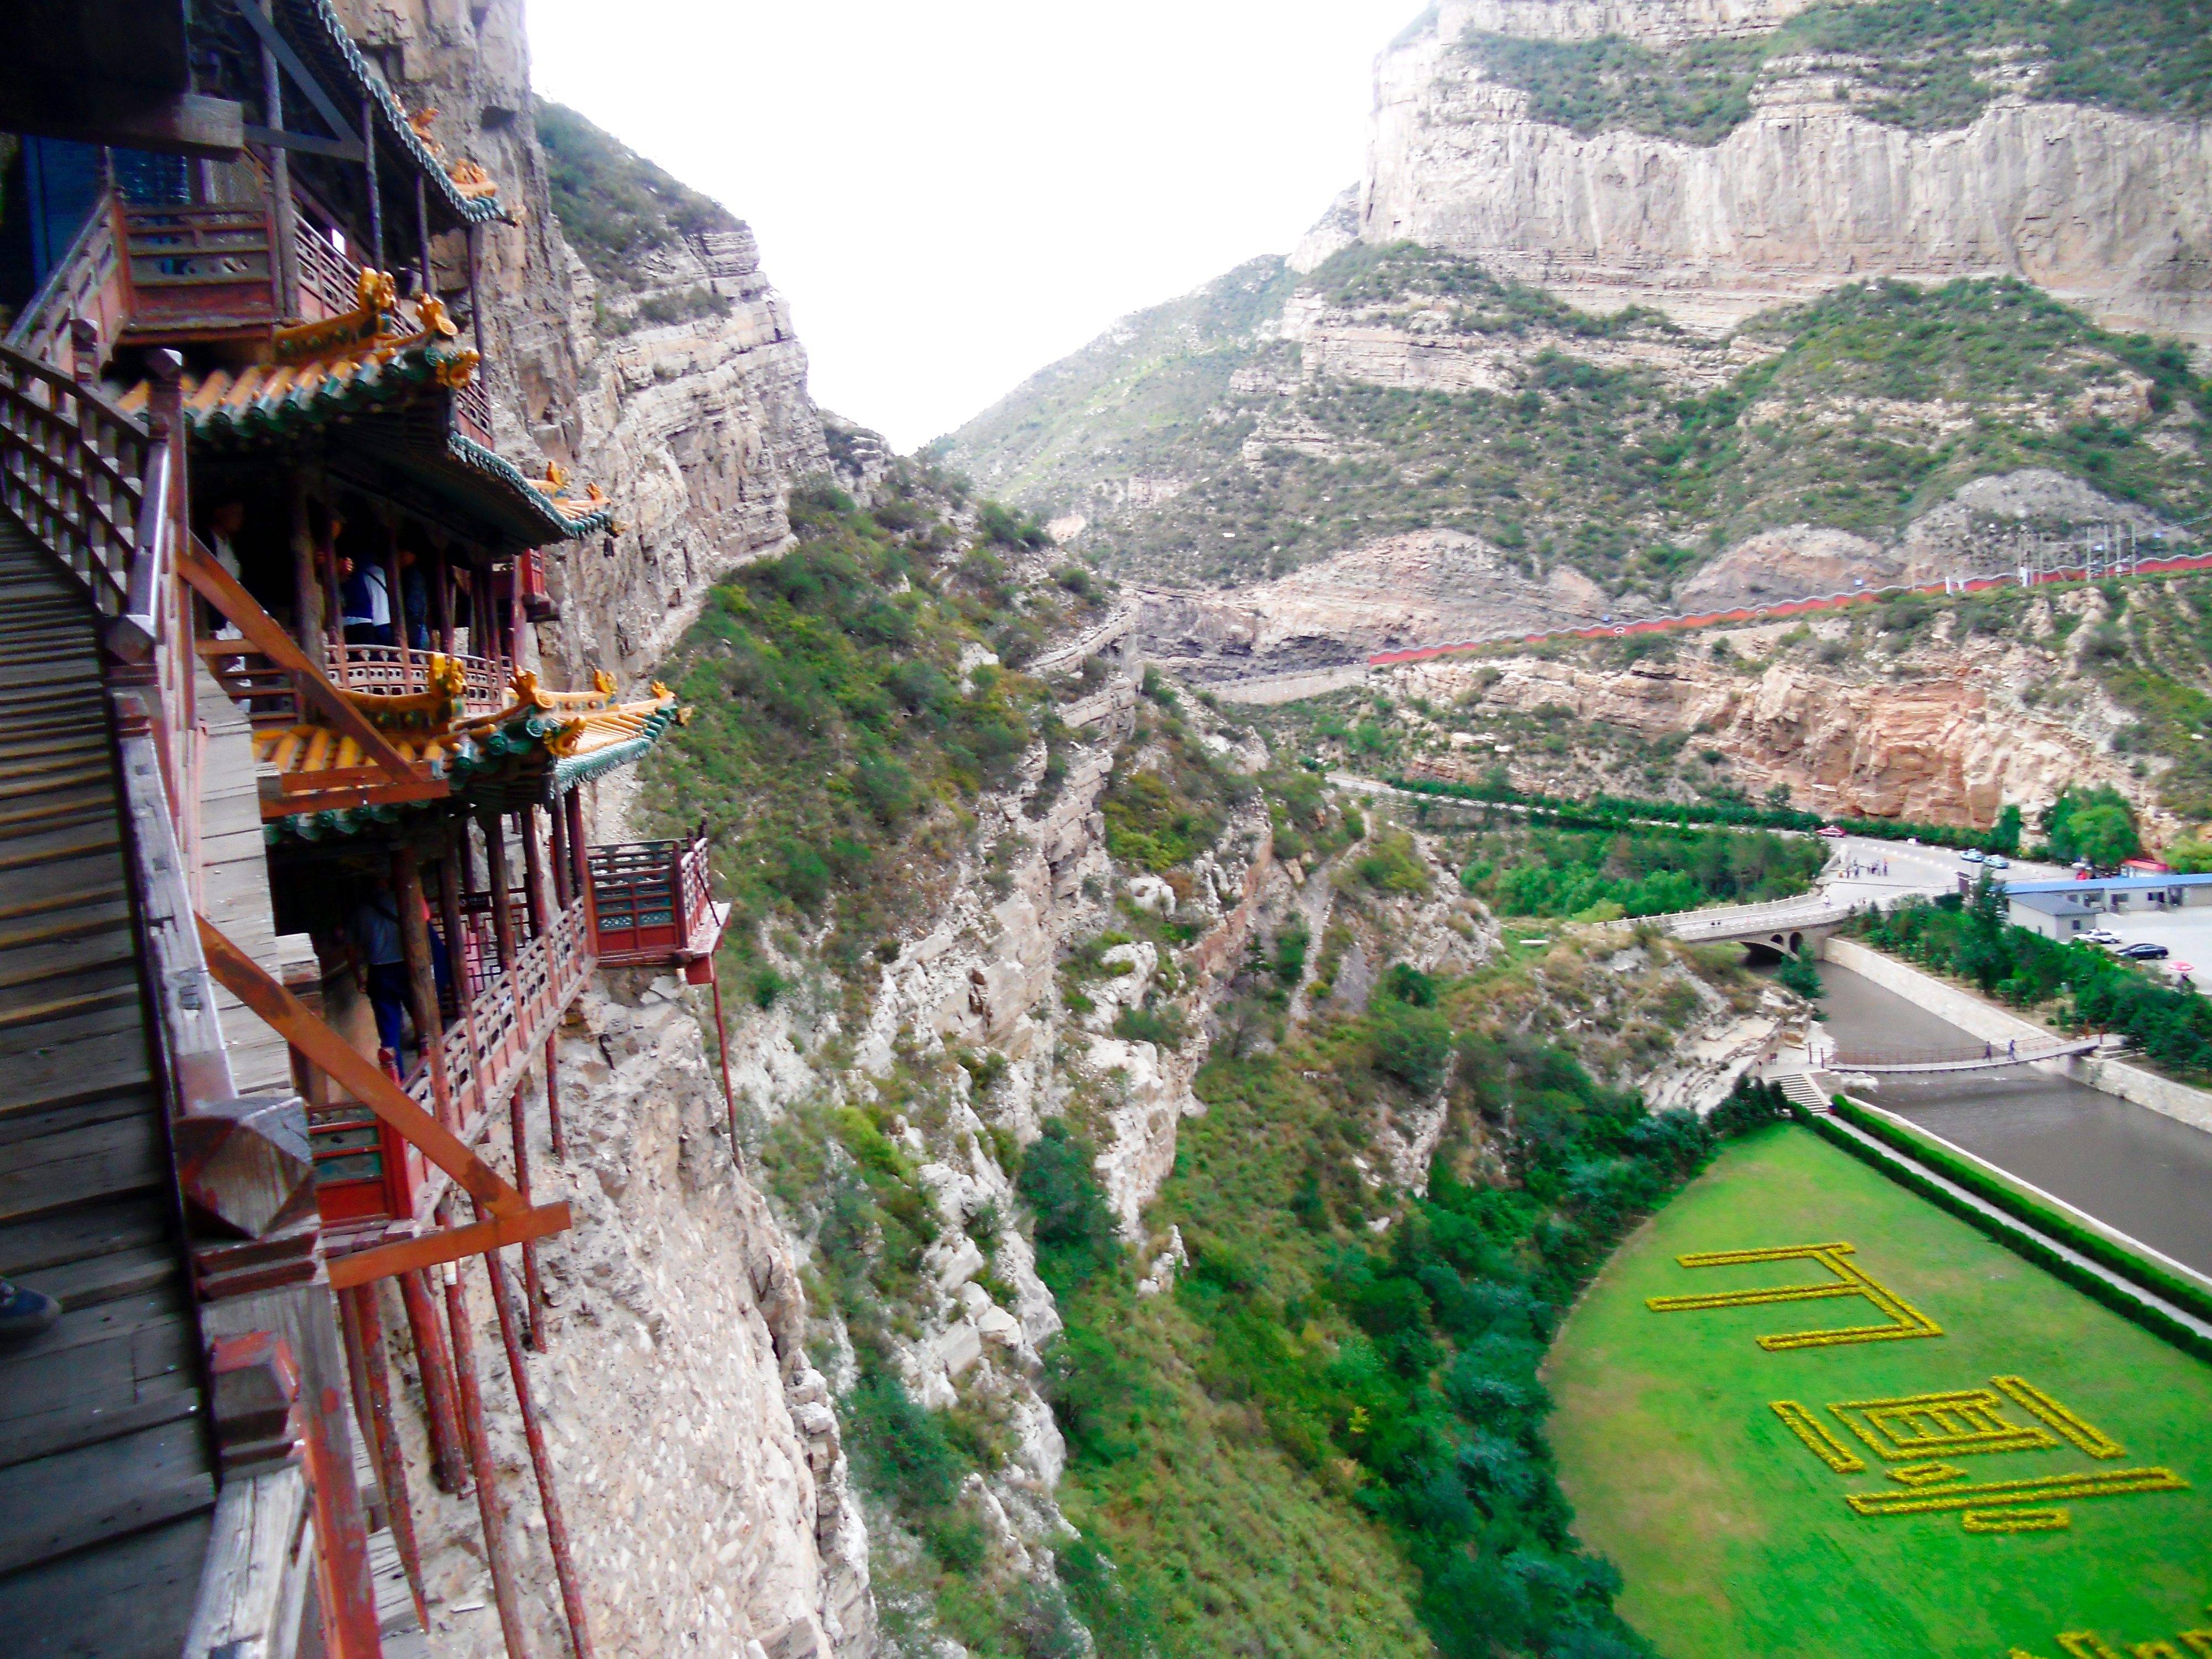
x=399, y=670
x=369, y=1178
x=653, y=905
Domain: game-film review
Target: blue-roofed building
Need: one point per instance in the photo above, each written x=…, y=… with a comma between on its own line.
x=2063, y=909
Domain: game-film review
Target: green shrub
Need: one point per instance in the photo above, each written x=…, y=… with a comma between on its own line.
x=1413, y=1044
x=1393, y=865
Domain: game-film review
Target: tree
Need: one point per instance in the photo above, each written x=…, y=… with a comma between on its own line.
x=2004, y=836
x=2094, y=823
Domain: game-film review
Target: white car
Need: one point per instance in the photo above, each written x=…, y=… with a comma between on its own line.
x=2101, y=936
x=1972, y=855
x=1997, y=861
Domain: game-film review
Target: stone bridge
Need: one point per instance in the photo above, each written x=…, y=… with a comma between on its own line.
x=1789, y=927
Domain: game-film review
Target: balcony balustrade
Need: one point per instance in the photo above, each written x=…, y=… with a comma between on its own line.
x=653, y=905
x=367, y=1176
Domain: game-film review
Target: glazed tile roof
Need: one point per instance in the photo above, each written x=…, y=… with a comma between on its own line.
x=541, y=744
x=376, y=359
x=463, y=189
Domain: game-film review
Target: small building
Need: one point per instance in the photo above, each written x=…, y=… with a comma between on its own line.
x=2064, y=909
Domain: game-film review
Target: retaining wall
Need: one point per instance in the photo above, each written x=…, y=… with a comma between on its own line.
x=1992, y=1024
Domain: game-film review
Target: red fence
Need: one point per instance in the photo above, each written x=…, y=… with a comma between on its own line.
x=1783, y=608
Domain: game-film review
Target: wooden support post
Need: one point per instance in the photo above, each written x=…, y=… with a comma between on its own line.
x=489, y=1509
x=553, y=1095
x=306, y=584
x=533, y=872
x=395, y=604
x=581, y=852
x=286, y=266
x=476, y=309
x=502, y=909
x=541, y=1462
x=364, y=1332
x=722, y=1049
x=564, y=869
x=423, y=232
x=517, y=1129
x=449, y=1463
x=442, y=598
x=375, y=191
x=452, y=882
x=421, y=982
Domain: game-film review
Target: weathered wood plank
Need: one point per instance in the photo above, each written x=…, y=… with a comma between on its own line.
x=53, y=1504
x=55, y=1171
x=249, y=1592
x=27, y=1438
x=131, y=1599
x=96, y=1229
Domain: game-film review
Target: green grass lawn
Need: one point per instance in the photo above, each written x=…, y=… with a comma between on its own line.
x=1735, y=1539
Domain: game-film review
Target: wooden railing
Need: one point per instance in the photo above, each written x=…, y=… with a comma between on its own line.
x=329, y=282
x=654, y=900
x=197, y=268
x=88, y=287
x=485, y=1048
x=401, y=671
x=73, y=472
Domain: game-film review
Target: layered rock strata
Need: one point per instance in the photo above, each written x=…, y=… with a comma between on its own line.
x=696, y=428
x=2109, y=211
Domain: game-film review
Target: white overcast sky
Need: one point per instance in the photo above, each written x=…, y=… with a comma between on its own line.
x=952, y=195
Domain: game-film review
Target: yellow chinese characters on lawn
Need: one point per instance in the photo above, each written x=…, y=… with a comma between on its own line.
x=1904, y=1319
x=1914, y=1437
x=2088, y=1644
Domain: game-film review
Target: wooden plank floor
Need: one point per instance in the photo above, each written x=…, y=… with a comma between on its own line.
x=106, y=1477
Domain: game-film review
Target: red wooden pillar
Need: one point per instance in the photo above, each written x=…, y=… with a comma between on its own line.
x=541, y=1462
x=453, y=883
x=564, y=868
x=421, y=979
x=502, y=908
x=364, y=1333
x=489, y=1509
x=533, y=881
x=580, y=852
x=449, y=1464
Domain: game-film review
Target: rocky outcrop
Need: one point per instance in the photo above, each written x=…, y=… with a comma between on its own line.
x=1419, y=588
x=2109, y=211
x=696, y=428
x=1945, y=738
x=701, y=1471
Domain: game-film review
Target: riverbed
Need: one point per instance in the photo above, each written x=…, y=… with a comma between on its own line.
x=2148, y=1174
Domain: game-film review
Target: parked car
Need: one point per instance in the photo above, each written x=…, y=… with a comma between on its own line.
x=1997, y=861
x=1972, y=855
x=2101, y=936
x=2143, y=951
x=1830, y=832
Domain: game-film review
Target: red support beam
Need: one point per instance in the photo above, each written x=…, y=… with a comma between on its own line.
x=449, y=1463
x=445, y=1244
x=489, y=1509
x=364, y=1332
x=541, y=1462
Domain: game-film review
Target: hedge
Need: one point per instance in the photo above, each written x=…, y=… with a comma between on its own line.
x=2016, y=1239
x=1617, y=812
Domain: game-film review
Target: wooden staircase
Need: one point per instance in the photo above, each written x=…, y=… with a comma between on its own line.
x=107, y=1475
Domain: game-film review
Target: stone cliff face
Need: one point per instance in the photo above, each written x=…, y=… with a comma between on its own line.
x=694, y=427
x=2106, y=210
x=705, y=1486
x=1948, y=732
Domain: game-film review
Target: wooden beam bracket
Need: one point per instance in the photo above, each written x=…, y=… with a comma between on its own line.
x=448, y=1244
x=266, y=635
x=247, y=981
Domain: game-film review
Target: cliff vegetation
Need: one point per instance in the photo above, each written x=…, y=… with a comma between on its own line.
x=1925, y=64
x=614, y=206
x=1237, y=458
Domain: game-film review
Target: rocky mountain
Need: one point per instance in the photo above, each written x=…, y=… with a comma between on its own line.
x=1687, y=305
